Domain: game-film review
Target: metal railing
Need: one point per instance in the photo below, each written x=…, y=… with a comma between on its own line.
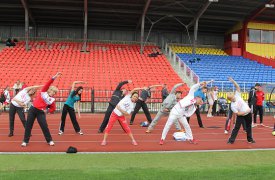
x=96, y=101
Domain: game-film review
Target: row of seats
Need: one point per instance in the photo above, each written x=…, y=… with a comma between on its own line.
x=102, y=70
x=199, y=50
x=219, y=68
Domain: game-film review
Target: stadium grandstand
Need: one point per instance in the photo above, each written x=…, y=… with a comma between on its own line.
x=147, y=42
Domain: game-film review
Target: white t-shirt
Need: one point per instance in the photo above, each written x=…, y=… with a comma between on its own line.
x=186, y=106
x=239, y=105
x=7, y=95
x=22, y=96
x=125, y=104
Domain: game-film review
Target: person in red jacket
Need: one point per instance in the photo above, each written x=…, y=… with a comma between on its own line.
x=37, y=110
x=259, y=103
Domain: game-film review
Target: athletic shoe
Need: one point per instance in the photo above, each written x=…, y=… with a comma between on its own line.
x=254, y=125
x=225, y=132
x=80, y=132
x=99, y=131
x=252, y=141
x=134, y=143
x=261, y=124
x=10, y=134
x=193, y=141
x=181, y=130
x=131, y=123
x=161, y=142
x=230, y=142
x=24, y=144
x=148, y=131
x=60, y=132
x=103, y=143
x=51, y=143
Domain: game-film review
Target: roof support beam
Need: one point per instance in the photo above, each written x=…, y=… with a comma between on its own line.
x=199, y=14
x=85, y=34
x=259, y=11
x=27, y=29
x=26, y=7
x=196, y=21
x=142, y=25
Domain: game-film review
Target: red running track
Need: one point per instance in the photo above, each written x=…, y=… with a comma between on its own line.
x=211, y=137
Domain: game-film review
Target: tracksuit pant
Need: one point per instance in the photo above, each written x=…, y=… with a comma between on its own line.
x=106, y=117
x=173, y=117
x=239, y=120
x=143, y=105
x=113, y=118
x=41, y=118
x=159, y=115
x=198, y=114
x=20, y=111
x=229, y=117
x=261, y=112
x=67, y=109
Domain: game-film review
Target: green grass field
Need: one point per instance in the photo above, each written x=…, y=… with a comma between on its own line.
x=200, y=165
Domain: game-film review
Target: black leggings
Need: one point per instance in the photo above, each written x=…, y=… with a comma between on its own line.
x=41, y=118
x=198, y=117
x=20, y=111
x=71, y=111
x=143, y=105
x=261, y=112
x=239, y=120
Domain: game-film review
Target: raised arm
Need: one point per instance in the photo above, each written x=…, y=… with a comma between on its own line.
x=235, y=84
x=175, y=87
x=47, y=85
x=76, y=82
x=195, y=87
x=122, y=83
x=33, y=87
x=157, y=85
x=135, y=89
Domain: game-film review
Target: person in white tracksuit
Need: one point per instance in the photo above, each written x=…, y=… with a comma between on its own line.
x=184, y=108
x=169, y=102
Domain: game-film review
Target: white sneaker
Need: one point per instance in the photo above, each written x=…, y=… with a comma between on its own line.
x=60, y=132
x=80, y=132
x=24, y=144
x=51, y=143
x=225, y=132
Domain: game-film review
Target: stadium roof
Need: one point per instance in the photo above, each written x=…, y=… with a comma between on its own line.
x=126, y=14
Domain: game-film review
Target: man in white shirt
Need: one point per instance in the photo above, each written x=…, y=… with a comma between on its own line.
x=183, y=109
x=243, y=112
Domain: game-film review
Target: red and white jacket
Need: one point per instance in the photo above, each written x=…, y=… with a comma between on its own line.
x=43, y=100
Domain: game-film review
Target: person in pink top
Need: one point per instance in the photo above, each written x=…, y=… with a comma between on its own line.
x=37, y=110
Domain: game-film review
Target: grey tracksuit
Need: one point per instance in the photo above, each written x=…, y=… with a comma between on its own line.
x=168, y=103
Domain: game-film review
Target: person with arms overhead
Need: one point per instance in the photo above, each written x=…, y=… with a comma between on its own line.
x=37, y=110
x=243, y=112
x=75, y=96
x=117, y=95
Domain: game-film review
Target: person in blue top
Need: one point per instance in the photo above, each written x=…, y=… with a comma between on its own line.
x=75, y=96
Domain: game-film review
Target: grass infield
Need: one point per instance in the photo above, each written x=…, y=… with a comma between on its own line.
x=200, y=165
